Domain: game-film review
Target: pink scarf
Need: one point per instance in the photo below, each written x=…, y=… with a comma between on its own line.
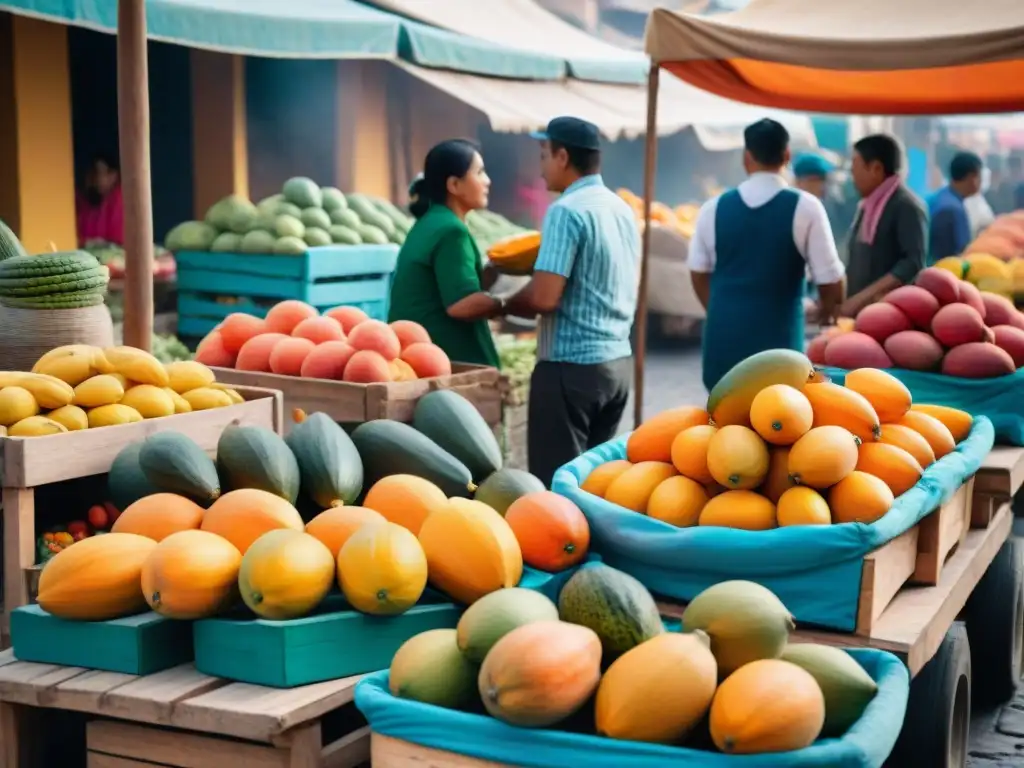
x=873, y=206
x=101, y=222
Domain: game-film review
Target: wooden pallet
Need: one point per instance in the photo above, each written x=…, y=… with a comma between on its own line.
x=180, y=718
x=27, y=463
x=999, y=478
x=395, y=753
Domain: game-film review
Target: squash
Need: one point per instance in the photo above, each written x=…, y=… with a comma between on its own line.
x=285, y=574
x=112, y=416
x=96, y=579
x=657, y=692
x=745, y=510
x=244, y=515
x=405, y=500
x=382, y=569
x=541, y=673
x=430, y=668
x=744, y=620
x=731, y=398
x=823, y=457
x=777, y=481
x=737, y=458
x=803, y=506
x=551, y=530
x=767, y=706
x=888, y=395
x=935, y=432
x=151, y=402
x=471, y=550
x=958, y=422
x=158, y=516
x=185, y=375
x=516, y=253
x=678, y=501
x=910, y=441
x=206, y=398
x=181, y=405
x=613, y=604
x=191, y=575
x=335, y=526
x=690, y=452
x=254, y=457
x=126, y=482
x=503, y=487
x=98, y=390
x=454, y=423
x=71, y=417
x=36, y=426
x=847, y=688
x=17, y=403
x=838, y=406
x=633, y=488
x=604, y=475
x=173, y=462
x=781, y=414
x=493, y=616
x=330, y=467
x=652, y=440
x=859, y=498
x=894, y=466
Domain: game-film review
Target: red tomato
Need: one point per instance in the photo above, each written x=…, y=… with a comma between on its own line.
x=98, y=518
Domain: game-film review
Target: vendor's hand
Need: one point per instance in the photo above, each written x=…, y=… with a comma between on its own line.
x=852, y=306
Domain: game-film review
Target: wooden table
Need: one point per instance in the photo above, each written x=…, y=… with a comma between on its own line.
x=180, y=718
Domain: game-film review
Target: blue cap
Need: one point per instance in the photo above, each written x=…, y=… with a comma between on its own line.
x=811, y=165
x=571, y=132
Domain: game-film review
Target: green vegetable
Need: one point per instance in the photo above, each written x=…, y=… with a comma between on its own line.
x=303, y=192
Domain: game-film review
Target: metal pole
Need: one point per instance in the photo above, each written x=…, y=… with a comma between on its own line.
x=650, y=169
x=133, y=127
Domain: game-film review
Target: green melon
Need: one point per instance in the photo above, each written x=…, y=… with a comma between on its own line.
x=303, y=192
x=10, y=245
x=431, y=669
x=316, y=217
x=505, y=486
x=191, y=236
x=745, y=621
x=333, y=199
x=454, y=423
x=342, y=235
x=345, y=218
x=290, y=246
x=316, y=237
x=329, y=464
x=254, y=457
x=126, y=482
x=494, y=615
x=613, y=604
x=227, y=242
x=847, y=687
x=174, y=463
x=257, y=241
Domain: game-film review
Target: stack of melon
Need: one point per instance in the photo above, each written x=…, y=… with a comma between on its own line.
x=730, y=675
x=780, y=446
x=938, y=324
x=343, y=344
x=82, y=387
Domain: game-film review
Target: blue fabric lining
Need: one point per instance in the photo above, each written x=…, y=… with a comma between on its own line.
x=866, y=745
x=814, y=570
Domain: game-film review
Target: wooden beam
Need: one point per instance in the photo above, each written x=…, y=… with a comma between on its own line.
x=650, y=169
x=133, y=125
x=37, y=185
x=220, y=142
x=362, y=159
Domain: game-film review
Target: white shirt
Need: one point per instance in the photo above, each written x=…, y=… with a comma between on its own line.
x=812, y=233
x=979, y=213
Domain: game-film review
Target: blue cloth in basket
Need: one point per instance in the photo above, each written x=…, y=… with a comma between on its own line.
x=815, y=570
x=866, y=745
x=1000, y=400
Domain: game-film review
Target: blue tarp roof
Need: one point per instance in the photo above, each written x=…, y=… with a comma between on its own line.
x=307, y=29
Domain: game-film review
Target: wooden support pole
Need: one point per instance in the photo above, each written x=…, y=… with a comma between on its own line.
x=650, y=169
x=219, y=136
x=133, y=125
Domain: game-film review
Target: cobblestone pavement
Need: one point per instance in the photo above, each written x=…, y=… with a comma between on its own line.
x=673, y=378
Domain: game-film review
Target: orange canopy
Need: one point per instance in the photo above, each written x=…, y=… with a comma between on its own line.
x=864, y=56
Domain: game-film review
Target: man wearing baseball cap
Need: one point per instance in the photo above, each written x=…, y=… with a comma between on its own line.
x=584, y=288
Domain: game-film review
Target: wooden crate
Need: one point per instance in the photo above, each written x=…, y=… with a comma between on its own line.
x=181, y=718
x=514, y=434
x=395, y=753
x=999, y=478
x=355, y=403
x=27, y=463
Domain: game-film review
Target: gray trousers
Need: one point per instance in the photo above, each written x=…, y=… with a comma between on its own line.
x=574, y=408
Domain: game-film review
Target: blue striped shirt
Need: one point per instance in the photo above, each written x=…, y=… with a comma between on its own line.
x=590, y=237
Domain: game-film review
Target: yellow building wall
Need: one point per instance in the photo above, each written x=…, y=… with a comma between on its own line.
x=37, y=185
x=219, y=135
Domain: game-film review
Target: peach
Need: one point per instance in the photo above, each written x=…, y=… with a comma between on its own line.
x=427, y=360
x=211, y=351
x=375, y=336
x=409, y=332
x=327, y=361
x=349, y=317
x=319, y=329
x=238, y=328
x=289, y=354
x=367, y=367
x=255, y=353
x=284, y=316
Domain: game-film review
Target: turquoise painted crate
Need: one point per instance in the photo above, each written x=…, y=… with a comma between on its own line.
x=334, y=642
x=324, y=277
x=135, y=645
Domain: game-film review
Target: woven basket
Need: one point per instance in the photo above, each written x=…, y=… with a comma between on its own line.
x=28, y=334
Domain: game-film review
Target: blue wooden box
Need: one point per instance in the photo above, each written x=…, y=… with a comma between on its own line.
x=325, y=277
x=334, y=642
x=136, y=645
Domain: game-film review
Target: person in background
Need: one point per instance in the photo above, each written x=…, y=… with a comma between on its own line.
x=749, y=253
x=584, y=288
x=979, y=213
x=99, y=207
x=439, y=281
x=950, y=230
x=811, y=174
x=1004, y=195
x=888, y=239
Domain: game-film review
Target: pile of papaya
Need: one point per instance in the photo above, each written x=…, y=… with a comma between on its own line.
x=778, y=445
x=532, y=663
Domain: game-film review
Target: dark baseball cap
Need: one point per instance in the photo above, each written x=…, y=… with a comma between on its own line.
x=570, y=132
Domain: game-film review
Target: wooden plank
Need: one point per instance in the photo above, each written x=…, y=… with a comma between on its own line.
x=30, y=462
x=85, y=692
x=258, y=713
x=393, y=753
x=349, y=751
x=942, y=531
x=19, y=546
x=182, y=750
x=1002, y=472
x=885, y=572
x=21, y=735
x=24, y=681
x=99, y=760
x=153, y=698
x=983, y=509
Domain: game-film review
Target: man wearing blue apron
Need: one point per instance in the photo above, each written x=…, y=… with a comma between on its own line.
x=751, y=248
